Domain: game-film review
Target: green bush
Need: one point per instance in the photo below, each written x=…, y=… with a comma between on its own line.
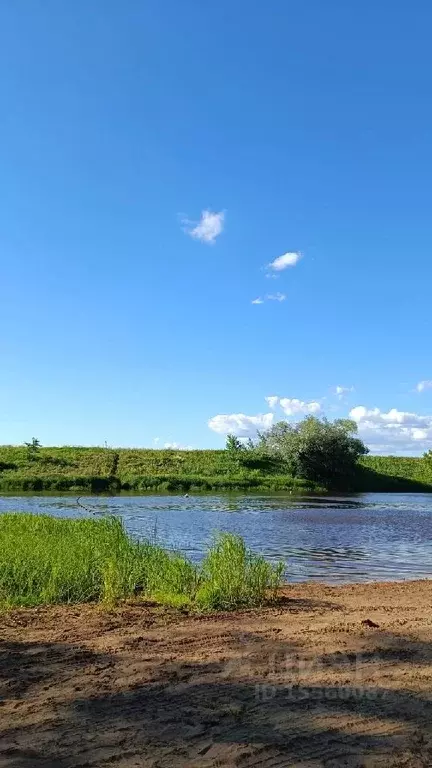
x=315, y=449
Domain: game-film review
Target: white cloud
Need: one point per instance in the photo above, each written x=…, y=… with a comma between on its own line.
x=292, y=406
x=272, y=401
x=419, y=434
x=276, y=296
x=208, y=228
x=342, y=391
x=178, y=446
x=394, y=431
x=361, y=414
x=270, y=297
x=423, y=385
x=156, y=440
x=289, y=259
x=239, y=424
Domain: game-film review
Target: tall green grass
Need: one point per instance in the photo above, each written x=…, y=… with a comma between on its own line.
x=45, y=560
x=232, y=575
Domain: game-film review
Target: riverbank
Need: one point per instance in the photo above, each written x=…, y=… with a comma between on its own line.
x=106, y=470
x=334, y=676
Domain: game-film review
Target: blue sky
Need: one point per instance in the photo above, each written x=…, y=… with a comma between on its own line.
x=126, y=312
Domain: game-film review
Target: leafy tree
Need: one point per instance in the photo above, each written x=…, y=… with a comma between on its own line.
x=315, y=449
x=235, y=450
x=33, y=449
x=234, y=444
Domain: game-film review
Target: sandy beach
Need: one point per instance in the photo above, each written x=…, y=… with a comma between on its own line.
x=329, y=676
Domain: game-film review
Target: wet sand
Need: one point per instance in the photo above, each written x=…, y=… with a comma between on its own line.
x=330, y=676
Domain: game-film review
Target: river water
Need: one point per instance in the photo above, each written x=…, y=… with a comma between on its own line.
x=339, y=539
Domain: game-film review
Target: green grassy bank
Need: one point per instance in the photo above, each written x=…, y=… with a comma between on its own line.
x=394, y=474
x=46, y=560
x=97, y=470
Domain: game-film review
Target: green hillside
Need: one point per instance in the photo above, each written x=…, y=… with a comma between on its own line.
x=111, y=470
x=395, y=473
x=101, y=469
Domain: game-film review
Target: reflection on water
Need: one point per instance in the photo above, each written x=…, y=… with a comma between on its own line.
x=333, y=539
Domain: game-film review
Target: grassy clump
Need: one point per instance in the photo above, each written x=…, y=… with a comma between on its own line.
x=46, y=560
x=232, y=575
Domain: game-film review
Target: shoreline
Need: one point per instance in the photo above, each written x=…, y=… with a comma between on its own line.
x=253, y=491
x=108, y=486
x=334, y=675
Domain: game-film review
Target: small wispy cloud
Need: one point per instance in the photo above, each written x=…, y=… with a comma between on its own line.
x=423, y=385
x=178, y=446
x=276, y=296
x=272, y=401
x=240, y=424
x=269, y=297
x=289, y=259
x=341, y=392
x=291, y=406
x=207, y=229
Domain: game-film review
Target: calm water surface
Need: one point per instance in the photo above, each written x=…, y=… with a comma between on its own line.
x=334, y=539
